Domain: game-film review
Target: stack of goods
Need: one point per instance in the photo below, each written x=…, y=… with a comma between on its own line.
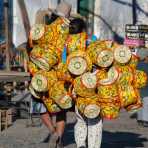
x=51, y=36
x=78, y=62
x=45, y=65
x=114, y=85
x=136, y=35
x=89, y=106
x=76, y=42
x=101, y=53
x=100, y=79
x=43, y=58
x=61, y=95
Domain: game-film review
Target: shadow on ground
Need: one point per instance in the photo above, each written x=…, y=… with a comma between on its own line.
x=110, y=139
x=122, y=140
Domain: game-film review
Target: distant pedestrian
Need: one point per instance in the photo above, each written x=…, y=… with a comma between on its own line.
x=142, y=115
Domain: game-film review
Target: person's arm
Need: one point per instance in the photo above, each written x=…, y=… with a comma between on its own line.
x=142, y=53
x=146, y=59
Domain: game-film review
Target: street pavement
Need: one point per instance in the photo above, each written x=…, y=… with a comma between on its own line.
x=123, y=132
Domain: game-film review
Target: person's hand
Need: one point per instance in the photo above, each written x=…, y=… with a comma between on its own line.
x=146, y=59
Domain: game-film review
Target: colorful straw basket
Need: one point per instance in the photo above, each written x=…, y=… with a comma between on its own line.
x=44, y=59
x=101, y=53
x=82, y=89
x=89, y=107
x=61, y=95
x=105, y=58
x=127, y=94
x=136, y=106
x=78, y=63
x=51, y=106
x=39, y=83
x=110, y=110
x=108, y=91
x=32, y=68
x=54, y=34
x=122, y=54
x=89, y=80
x=140, y=79
x=34, y=93
x=76, y=42
x=111, y=76
x=43, y=81
x=37, y=32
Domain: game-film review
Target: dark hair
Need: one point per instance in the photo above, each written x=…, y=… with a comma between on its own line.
x=77, y=25
x=50, y=19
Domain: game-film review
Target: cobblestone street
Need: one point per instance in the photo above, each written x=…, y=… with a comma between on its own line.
x=121, y=133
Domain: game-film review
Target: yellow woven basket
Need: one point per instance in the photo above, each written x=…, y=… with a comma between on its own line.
x=136, y=106
x=81, y=90
x=108, y=91
x=45, y=59
x=140, y=79
x=54, y=34
x=127, y=94
x=51, y=106
x=78, y=63
x=63, y=73
x=101, y=52
x=61, y=95
x=43, y=81
x=110, y=110
x=34, y=93
x=122, y=54
x=32, y=68
x=76, y=42
x=89, y=107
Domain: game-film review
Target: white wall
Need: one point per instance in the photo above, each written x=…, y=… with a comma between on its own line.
x=74, y=5
x=32, y=6
x=142, y=12
x=111, y=16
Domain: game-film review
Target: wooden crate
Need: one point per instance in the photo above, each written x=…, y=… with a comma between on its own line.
x=5, y=118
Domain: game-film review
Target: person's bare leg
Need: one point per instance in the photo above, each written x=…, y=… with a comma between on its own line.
x=60, y=126
x=46, y=119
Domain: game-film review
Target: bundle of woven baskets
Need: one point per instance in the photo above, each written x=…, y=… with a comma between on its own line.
x=100, y=79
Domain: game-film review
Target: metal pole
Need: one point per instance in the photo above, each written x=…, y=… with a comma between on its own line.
x=90, y=16
x=97, y=21
x=134, y=11
x=6, y=5
x=24, y=15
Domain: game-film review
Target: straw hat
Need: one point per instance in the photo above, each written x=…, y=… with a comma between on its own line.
x=63, y=9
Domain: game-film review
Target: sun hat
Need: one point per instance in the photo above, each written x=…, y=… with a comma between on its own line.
x=63, y=9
